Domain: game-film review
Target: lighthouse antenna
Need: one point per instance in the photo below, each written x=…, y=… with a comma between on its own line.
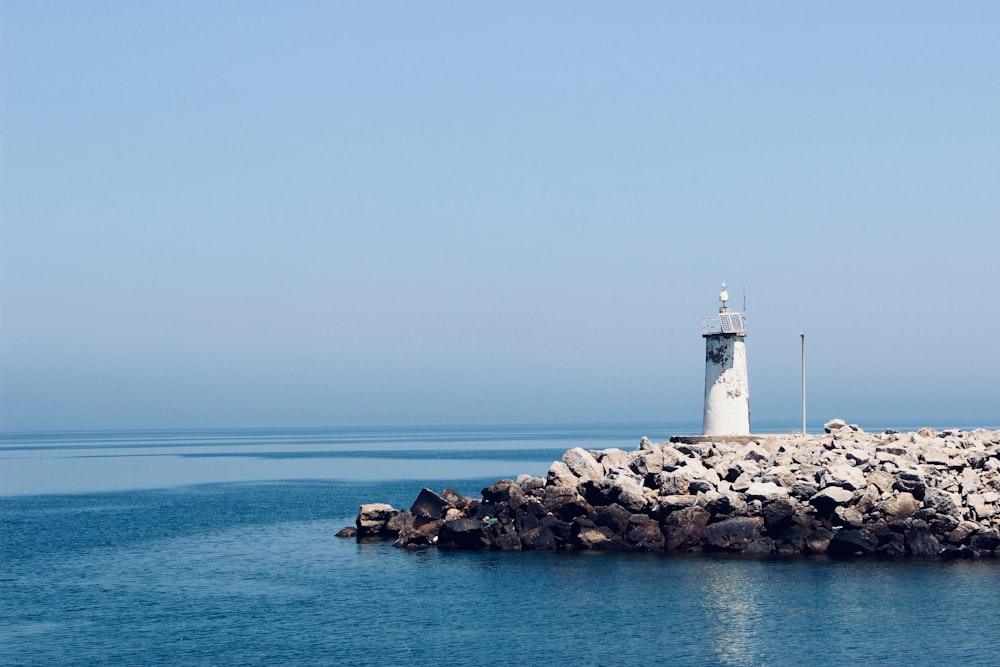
x=744, y=301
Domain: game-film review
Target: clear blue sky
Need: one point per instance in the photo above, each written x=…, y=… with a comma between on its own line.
x=324, y=213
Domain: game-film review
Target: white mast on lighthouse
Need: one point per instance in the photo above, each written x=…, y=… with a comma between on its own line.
x=727, y=392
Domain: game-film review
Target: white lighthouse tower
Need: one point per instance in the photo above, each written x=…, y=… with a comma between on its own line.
x=727, y=392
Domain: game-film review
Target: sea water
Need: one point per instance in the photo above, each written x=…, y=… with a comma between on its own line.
x=218, y=547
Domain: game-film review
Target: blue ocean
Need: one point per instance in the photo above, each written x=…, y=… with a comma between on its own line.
x=218, y=547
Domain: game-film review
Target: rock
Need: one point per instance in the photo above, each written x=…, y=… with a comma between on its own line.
x=628, y=493
x=778, y=515
x=901, y=506
x=588, y=535
x=539, y=538
x=858, y=456
x=921, y=542
x=754, y=452
x=848, y=516
x=962, y=532
x=721, y=504
x=565, y=503
x=818, y=541
x=429, y=504
x=943, y=502
x=766, y=491
x=644, y=534
x=397, y=522
x=503, y=537
x=562, y=530
x=560, y=475
x=613, y=516
x=911, y=481
x=846, y=492
x=462, y=534
x=683, y=528
x=582, y=464
x=530, y=484
x=983, y=510
x=852, y=541
x=987, y=541
x=597, y=492
x=849, y=477
x=834, y=425
x=880, y=479
x=373, y=518
x=674, y=483
x=804, y=489
x=675, y=502
x=411, y=538
x=826, y=499
x=735, y=534
x=647, y=462
x=504, y=491
x=349, y=531
x=455, y=499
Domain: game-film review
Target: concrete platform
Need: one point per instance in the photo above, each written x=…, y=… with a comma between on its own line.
x=738, y=439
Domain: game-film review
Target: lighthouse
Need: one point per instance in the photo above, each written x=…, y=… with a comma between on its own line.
x=727, y=392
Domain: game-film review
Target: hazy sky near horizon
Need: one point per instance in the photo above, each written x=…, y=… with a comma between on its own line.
x=323, y=213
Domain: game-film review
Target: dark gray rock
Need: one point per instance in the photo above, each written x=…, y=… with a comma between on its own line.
x=597, y=492
x=735, y=534
x=911, y=482
x=644, y=534
x=613, y=516
x=852, y=542
x=539, y=538
x=818, y=540
x=561, y=530
x=778, y=515
x=503, y=491
x=411, y=538
x=462, y=534
x=921, y=542
x=348, y=531
x=429, y=504
x=804, y=490
x=684, y=527
x=455, y=499
x=987, y=540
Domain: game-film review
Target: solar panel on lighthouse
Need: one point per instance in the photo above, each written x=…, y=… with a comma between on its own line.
x=732, y=323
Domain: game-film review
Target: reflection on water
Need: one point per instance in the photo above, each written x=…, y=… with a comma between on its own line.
x=729, y=598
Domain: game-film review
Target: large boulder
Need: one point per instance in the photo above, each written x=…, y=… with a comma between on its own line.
x=373, y=519
x=560, y=475
x=766, y=491
x=644, y=534
x=736, y=534
x=628, y=493
x=922, y=542
x=901, y=506
x=852, y=542
x=429, y=504
x=462, y=533
x=943, y=502
x=849, y=477
x=829, y=498
x=582, y=464
x=684, y=527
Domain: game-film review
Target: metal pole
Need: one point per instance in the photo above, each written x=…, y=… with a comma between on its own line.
x=803, y=383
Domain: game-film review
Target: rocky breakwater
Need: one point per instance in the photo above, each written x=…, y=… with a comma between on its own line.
x=843, y=493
